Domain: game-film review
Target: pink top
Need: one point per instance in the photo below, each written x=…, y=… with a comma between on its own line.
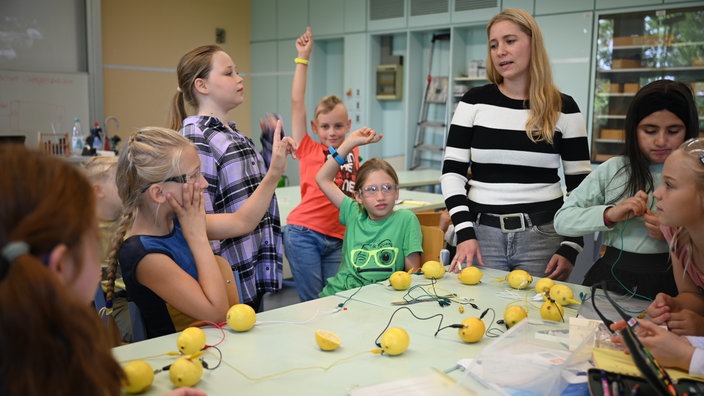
x=690, y=269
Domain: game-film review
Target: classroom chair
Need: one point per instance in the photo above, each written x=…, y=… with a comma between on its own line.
x=433, y=243
x=429, y=218
x=138, y=330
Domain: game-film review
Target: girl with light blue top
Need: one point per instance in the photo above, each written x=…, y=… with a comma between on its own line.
x=616, y=198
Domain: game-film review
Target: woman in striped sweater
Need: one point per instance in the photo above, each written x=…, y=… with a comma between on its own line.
x=515, y=133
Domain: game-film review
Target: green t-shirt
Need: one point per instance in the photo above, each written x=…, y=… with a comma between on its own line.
x=373, y=250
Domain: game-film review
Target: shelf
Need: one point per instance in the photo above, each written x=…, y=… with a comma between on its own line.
x=652, y=69
x=609, y=141
x=462, y=79
x=658, y=45
x=610, y=116
x=633, y=49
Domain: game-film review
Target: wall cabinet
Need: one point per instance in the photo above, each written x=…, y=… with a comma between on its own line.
x=634, y=49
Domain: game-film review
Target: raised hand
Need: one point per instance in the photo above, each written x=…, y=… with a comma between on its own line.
x=364, y=135
x=304, y=44
x=281, y=148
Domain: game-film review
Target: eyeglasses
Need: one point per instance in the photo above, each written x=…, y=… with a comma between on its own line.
x=372, y=190
x=385, y=257
x=176, y=179
x=695, y=147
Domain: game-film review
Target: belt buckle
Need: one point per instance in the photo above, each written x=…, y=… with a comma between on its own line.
x=508, y=216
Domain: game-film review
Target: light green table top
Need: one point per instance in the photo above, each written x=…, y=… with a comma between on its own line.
x=279, y=355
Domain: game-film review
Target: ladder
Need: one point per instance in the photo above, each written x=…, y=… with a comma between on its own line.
x=426, y=126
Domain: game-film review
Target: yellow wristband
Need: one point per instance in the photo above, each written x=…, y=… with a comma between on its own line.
x=301, y=61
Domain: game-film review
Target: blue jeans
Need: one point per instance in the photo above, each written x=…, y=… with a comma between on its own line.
x=529, y=250
x=313, y=258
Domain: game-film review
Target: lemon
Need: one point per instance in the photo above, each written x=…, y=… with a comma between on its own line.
x=191, y=340
x=395, y=341
x=400, y=280
x=543, y=285
x=241, y=317
x=433, y=269
x=470, y=276
x=185, y=371
x=562, y=294
x=552, y=311
x=327, y=340
x=514, y=314
x=473, y=330
x=519, y=279
x=139, y=376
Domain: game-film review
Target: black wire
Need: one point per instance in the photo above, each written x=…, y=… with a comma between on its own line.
x=205, y=365
x=492, y=331
x=415, y=316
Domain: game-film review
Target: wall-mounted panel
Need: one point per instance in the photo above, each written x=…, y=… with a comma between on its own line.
x=327, y=17
x=386, y=14
x=355, y=16
x=291, y=18
x=604, y=4
x=262, y=27
x=522, y=4
x=568, y=40
x=428, y=12
x=474, y=10
x=561, y=6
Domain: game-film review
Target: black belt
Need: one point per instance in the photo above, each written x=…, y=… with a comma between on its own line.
x=515, y=222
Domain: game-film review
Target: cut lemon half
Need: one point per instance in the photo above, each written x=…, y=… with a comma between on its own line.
x=327, y=340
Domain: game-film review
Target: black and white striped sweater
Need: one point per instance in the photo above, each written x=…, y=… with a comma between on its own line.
x=510, y=173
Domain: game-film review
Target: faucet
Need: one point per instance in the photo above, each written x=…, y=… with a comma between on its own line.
x=107, y=120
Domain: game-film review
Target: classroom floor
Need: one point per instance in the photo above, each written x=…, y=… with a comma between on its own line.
x=287, y=296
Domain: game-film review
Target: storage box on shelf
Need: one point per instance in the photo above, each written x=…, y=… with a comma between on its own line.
x=634, y=49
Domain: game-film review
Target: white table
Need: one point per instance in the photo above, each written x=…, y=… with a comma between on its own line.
x=280, y=356
x=418, y=177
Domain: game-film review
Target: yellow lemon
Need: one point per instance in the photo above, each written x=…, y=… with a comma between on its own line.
x=473, y=330
x=514, y=314
x=185, y=371
x=395, y=341
x=139, y=376
x=470, y=276
x=191, y=340
x=400, y=280
x=327, y=340
x=562, y=294
x=519, y=279
x=552, y=311
x=433, y=269
x=241, y=317
x=543, y=285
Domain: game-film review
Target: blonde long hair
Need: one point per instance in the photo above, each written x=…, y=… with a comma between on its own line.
x=682, y=239
x=544, y=97
x=152, y=155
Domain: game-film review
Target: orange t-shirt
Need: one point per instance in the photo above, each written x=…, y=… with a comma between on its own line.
x=315, y=211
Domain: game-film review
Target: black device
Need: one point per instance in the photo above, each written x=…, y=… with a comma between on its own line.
x=655, y=380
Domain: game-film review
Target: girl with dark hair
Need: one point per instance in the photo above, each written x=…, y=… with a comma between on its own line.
x=616, y=199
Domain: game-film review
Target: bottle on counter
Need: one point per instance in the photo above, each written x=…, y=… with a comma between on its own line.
x=97, y=133
x=77, y=138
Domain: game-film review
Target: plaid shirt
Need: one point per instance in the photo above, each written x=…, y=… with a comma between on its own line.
x=233, y=168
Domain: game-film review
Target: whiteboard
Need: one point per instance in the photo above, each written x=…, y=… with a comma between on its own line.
x=42, y=102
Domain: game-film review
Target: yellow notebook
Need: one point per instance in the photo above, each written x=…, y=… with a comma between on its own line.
x=621, y=363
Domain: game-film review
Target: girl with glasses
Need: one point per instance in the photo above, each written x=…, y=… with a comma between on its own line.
x=378, y=241
x=167, y=262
